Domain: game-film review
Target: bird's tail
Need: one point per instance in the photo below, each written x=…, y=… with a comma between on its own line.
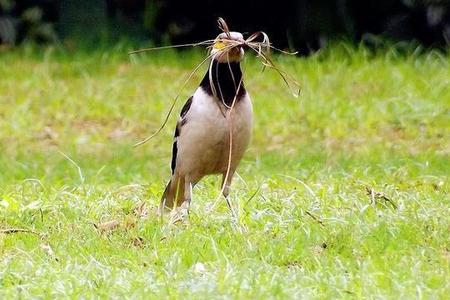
x=174, y=190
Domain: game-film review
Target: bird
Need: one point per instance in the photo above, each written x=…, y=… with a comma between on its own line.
x=217, y=118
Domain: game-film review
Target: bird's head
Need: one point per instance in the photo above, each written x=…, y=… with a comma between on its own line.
x=228, y=47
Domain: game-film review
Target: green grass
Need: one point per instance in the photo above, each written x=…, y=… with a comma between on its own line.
x=363, y=120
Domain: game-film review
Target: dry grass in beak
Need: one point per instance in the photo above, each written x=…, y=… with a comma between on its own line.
x=261, y=48
x=223, y=26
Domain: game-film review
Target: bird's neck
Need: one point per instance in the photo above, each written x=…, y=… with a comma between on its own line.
x=226, y=79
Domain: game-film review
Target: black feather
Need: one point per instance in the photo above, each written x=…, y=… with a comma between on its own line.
x=186, y=107
x=180, y=123
x=174, y=156
x=226, y=77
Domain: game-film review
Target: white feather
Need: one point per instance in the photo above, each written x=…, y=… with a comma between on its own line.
x=203, y=144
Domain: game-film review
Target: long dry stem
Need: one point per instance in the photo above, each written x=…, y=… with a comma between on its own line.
x=227, y=174
x=206, y=42
x=261, y=48
x=173, y=103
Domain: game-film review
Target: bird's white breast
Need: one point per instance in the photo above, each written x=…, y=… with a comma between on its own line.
x=203, y=144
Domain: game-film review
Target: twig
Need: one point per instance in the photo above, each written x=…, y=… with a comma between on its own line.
x=315, y=218
x=18, y=230
x=230, y=126
x=262, y=49
x=171, y=47
x=173, y=104
x=252, y=196
x=378, y=195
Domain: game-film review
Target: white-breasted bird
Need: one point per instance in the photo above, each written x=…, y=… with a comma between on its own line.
x=215, y=119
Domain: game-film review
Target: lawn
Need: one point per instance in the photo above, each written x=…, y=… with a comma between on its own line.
x=343, y=192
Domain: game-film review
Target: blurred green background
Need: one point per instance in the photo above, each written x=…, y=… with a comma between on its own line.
x=300, y=24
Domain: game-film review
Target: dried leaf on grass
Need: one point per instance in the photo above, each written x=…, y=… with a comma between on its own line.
x=107, y=226
x=142, y=211
x=138, y=242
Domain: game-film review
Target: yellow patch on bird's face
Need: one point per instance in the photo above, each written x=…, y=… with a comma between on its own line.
x=219, y=45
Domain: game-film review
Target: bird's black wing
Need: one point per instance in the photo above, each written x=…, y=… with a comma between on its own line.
x=180, y=123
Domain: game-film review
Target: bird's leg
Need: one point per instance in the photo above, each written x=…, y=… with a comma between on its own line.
x=167, y=199
x=174, y=197
x=226, y=183
x=226, y=192
x=187, y=195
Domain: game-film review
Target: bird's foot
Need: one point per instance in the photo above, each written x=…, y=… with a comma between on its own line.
x=179, y=214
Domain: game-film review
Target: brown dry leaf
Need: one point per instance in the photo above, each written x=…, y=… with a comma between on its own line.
x=107, y=226
x=293, y=264
x=142, y=211
x=138, y=242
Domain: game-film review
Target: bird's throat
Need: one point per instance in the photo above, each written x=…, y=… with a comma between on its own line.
x=226, y=80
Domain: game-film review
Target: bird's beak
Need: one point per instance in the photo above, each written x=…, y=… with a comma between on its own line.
x=244, y=47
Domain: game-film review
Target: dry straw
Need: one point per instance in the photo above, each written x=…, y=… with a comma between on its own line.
x=261, y=48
